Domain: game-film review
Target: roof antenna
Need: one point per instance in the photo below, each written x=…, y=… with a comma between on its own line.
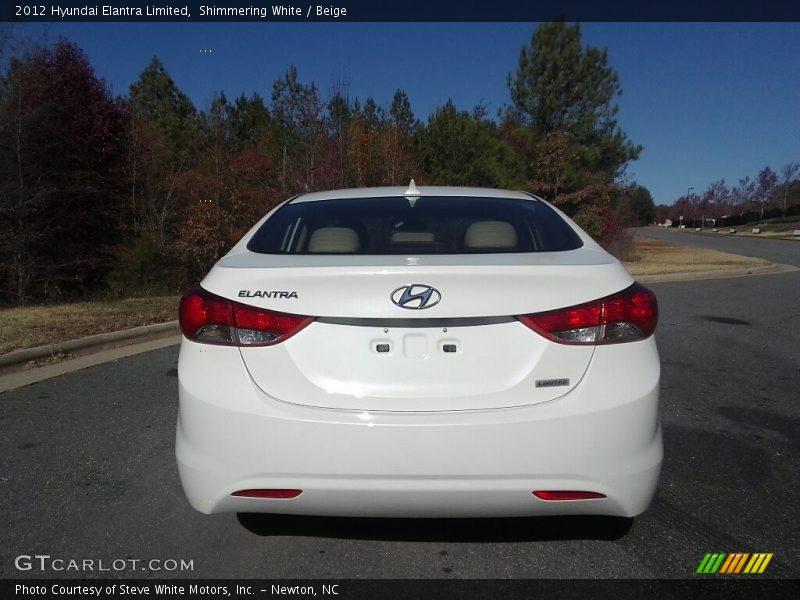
x=412, y=194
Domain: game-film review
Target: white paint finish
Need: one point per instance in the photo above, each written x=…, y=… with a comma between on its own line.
x=416, y=431
x=332, y=366
x=499, y=287
x=401, y=191
x=603, y=436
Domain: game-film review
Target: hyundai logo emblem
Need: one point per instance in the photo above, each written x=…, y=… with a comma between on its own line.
x=416, y=296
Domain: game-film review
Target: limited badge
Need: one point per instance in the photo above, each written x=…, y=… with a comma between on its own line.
x=551, y=382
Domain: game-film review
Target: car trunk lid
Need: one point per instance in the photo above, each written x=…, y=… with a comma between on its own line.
x=466, y=351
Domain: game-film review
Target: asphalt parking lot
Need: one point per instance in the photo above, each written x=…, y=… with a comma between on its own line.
x=87, y=467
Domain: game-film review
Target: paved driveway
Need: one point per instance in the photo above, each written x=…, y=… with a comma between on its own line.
x=87, y=470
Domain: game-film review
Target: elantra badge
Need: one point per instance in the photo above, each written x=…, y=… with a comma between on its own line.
x=416, y=296
x=266, y=294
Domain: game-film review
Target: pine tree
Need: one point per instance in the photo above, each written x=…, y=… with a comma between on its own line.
x=163, y=134
x=563, y=96
x=461, y=148
x=156, y=99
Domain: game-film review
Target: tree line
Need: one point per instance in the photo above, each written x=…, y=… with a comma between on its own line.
x=768, y=195
x=141, y=193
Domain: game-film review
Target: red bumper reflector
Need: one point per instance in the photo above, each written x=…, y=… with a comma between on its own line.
x=280, y=494
x=567, y=495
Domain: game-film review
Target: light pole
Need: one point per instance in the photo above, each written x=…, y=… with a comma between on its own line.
x=694, y=216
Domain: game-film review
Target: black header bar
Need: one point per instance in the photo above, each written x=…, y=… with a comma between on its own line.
x=398, y=11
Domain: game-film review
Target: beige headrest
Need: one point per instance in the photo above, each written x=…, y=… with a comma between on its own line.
x=400, y=237
x=333, y=239
x=490, y=234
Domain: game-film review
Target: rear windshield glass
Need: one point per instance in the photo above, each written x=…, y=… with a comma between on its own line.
x=432, y=225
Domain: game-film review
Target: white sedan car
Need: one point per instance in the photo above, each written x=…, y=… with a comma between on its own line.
x=420, y=352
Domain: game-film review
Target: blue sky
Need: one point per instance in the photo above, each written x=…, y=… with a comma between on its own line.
x=707, y=101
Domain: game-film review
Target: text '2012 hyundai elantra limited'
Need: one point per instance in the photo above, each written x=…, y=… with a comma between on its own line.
x=421, y=352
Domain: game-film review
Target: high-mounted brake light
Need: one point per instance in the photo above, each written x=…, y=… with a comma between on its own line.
x=627, y=316
x=210, y=319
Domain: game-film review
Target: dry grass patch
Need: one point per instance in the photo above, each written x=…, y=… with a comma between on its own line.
x=657, y=257
x=29, y=326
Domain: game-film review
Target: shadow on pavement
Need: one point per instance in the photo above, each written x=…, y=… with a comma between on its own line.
x=520, y=529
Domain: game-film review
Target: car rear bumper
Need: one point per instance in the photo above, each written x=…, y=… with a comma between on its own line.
x=601, y=437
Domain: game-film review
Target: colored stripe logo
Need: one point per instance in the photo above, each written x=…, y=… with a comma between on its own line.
x=734, y=563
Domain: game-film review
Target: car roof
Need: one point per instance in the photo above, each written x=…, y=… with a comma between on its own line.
x=424, y=190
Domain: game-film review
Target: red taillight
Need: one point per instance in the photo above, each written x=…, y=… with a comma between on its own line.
x=627, y=316
x=209, y=319
x=567, y=495
x=269, y=493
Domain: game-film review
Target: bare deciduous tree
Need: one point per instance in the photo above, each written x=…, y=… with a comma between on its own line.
x=788, y=173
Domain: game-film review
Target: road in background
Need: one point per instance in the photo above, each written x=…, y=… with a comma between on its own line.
x=87, y=467
x=786, y=252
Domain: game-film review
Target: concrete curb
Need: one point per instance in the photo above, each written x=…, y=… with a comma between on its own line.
x=22, y=377
x=13, y=361
x=742, y=234
x=90, y=344
x=771, y=269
